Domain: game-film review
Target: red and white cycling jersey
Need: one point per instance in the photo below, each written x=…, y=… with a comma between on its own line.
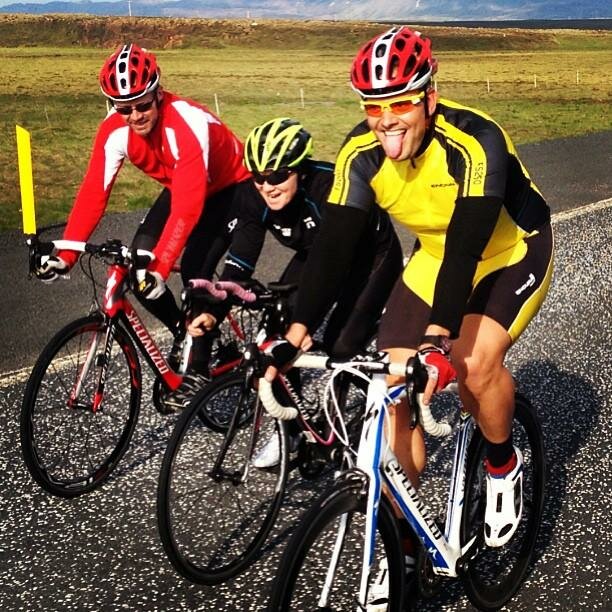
x=190, y=151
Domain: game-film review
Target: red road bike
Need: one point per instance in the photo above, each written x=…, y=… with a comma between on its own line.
x=82, y=399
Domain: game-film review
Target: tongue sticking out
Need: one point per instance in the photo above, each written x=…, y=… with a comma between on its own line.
x=393, y=144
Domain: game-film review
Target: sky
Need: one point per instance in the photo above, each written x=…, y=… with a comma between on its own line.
x=426, y=9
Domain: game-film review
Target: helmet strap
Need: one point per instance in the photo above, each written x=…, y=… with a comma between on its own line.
x=426, y=99
x=429, y=132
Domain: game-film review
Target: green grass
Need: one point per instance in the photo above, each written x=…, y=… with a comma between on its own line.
x=52, y=91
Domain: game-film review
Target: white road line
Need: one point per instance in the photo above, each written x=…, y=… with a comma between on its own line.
x=582, y=210
x=17, y=376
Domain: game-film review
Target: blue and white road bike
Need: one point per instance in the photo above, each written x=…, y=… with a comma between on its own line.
x=350, y=535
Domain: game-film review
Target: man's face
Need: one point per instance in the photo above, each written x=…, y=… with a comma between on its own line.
x=277, y=196
x=400, y=122
x=143, y=112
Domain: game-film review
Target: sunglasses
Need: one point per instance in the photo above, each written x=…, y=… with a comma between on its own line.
x=143, y=107
x=398, y=106
x=273, y=177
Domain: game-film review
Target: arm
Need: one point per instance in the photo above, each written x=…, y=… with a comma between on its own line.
x=247, y=243
x=108, y=153
x=188, y=192
x=327, y=266
x=469, y=231
x=481, y=169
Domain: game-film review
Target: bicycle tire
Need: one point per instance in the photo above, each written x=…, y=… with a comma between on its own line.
x=303, y=567
x=71, y=450
x=494, y=575
x=213, y=524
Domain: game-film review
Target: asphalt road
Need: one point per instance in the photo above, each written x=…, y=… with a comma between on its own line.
x=102, y=551
x=569, y=172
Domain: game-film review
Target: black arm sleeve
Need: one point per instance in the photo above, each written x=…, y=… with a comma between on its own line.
x=329, y=262
x=468, y=234
x=247, y=242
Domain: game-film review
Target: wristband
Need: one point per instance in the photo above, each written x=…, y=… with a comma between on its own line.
x=439, y=341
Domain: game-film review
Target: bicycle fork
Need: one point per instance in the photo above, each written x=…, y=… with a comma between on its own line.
x=94, y=359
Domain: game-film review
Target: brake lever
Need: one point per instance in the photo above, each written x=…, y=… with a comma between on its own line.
x=416, y=381
x=256, y=359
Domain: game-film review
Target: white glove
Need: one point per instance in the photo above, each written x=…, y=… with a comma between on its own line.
x=51, y=268
x=151, y=285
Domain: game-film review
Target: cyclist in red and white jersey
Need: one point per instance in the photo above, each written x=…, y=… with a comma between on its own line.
x=177, y=142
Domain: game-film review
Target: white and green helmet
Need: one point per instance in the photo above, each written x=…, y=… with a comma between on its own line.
x=278, y=143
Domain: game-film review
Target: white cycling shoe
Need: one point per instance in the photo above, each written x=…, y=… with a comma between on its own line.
x=504, y=504
x=269, y=454
x=378, y=593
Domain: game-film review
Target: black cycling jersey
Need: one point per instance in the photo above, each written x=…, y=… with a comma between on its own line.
x=360, y=295
x=295, y=226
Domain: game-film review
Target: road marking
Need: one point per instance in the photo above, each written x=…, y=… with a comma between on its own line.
x=16, y=376
x=582, y=210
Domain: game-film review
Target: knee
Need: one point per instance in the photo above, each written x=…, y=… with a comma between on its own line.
x=475, y=372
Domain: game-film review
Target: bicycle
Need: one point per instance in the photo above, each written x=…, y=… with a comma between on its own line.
x=82, y=399
x=214, y=508
x=329, y=561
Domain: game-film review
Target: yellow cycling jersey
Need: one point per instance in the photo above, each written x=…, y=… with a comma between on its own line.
x=465, y=155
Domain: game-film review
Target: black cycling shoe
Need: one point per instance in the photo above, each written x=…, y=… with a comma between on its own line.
x=181, y=397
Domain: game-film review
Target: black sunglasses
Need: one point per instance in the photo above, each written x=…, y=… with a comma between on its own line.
x=274, y=177
x=143, y=107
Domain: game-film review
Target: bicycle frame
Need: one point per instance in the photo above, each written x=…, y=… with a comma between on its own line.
x=378, y=462
x=378, y=468
x=116, y=307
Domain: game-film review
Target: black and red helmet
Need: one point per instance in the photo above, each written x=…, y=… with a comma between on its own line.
x=129, y=73
x=394, y=62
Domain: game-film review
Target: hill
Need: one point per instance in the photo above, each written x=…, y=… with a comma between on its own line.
x=170, y=32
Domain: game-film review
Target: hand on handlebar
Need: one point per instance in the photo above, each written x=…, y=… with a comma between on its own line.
x=282, y=354
x=150, y=285
x=297, y=336
x=440, y=370
x=51, y=268
x=201, y=324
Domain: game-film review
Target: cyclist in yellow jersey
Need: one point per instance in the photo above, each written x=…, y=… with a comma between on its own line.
x=482, y=261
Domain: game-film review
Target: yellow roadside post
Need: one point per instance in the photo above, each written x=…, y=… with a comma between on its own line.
x=26, y=186
x=26, y=182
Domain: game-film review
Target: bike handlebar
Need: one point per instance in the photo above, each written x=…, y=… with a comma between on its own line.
x=222, y=289
x=322, y=362
x=112, y=248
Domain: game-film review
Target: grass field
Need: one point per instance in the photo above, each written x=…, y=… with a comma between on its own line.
x=539, y=85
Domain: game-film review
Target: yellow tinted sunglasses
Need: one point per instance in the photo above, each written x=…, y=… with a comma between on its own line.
x=398, y=106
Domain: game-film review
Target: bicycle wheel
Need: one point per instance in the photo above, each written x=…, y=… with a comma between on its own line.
x=214, y=508
x=69, y=448
x=321, y=566
x=494, y=575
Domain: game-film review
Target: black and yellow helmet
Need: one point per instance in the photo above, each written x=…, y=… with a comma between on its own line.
x=278, y=143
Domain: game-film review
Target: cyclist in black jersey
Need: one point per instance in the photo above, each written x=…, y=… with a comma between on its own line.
x=288, y=198
x=482, y=261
